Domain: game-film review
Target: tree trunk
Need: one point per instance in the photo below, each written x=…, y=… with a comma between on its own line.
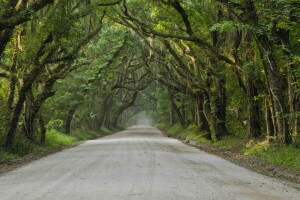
x=28, y=116
x=274, y=78
x=12, y=88
x=122, y=108
x=42, y=129
x=201, y=119
x=171, y=115
x=293, y=96
x=212, y=113
x=276, y=85
x=268, y=119
x=104, y=110
x=15, y=119
x=219, y=106
x=32, y=107
x=107, y=115
x=175, y=108
x=69, y=118
x=254, y=127
x=5, y=36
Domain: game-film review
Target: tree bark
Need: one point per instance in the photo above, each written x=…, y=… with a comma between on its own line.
x=15, y=119
x=254, y=127
x=219, y=105
x=28, y=116
x=122, y=108
x=274, y=78
x=175, y=108
x=268, y=119
x=293, y=96
x=42, y=129
x=201, y=118
x=103, y=110
x=70, y=117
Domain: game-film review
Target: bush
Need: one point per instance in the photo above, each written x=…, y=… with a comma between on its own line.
x=84, y=134
x=197, y=136
x=55, y=124
x=55, y=139
x=6, y=156
x=176, y=129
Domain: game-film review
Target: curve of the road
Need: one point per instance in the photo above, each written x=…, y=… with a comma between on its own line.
x=139, y=163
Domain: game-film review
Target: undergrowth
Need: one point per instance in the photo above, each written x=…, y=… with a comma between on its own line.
x=286, y=156
x=54, y=139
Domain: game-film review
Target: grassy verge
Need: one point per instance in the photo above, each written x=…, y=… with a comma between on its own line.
x=54, y=140
x=286, y=156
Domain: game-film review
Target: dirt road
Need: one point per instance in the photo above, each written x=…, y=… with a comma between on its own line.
x=138, y=163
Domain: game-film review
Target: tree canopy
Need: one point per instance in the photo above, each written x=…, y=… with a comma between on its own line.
x=224, y=67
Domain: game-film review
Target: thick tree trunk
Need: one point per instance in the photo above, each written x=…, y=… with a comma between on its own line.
x=171, y=115
x=219, y=105
x=274, y=78
x=107, y=116
x=103, y=110
x=254, y=127
x=12, y=88
x=32, y=107
x=212, y=112
x=15, y=119
x=69, y=118
x=276, y=85
x=28, y=116
x=28, y=81
x=293, y=96
x=268, y=119
x=42, y=129
x=175, y=108
x=201, y=119
x=5, y=36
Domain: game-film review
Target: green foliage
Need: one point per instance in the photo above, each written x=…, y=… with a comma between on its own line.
x=162, y=126
x=198, y=137
x=230, y=26
x=110, y=64
x=287, y=156
x=55, y=124
x=7, y=156
x=81, y=135
x=56, y=139
x=177, y=129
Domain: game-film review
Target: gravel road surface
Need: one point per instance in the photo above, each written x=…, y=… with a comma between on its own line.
x=139, y=163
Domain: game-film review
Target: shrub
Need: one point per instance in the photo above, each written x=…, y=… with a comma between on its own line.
x=55, y=138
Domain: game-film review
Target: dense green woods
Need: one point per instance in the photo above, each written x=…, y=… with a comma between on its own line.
x=223, y=68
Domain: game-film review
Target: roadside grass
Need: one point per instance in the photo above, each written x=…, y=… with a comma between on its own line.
x=286, y=156
x=81, y=135
x=54, y=139
x=197, y=137
x=6, y=156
